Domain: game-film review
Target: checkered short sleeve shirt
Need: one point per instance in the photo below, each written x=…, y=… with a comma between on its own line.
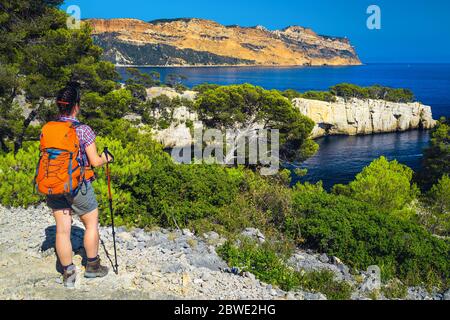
x=86, y=136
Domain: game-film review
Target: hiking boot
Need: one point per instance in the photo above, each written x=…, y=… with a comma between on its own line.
x=95, y=270
x=70, y=276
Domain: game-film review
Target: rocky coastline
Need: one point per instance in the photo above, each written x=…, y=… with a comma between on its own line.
x=343, y=117
x=199, y=42
x=363, y=117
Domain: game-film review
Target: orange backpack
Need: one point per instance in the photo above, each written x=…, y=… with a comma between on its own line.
x=59, y=171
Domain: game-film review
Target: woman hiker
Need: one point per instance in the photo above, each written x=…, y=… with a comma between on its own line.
x=73, y=195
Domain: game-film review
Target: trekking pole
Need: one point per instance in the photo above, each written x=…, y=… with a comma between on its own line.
x=108, y=176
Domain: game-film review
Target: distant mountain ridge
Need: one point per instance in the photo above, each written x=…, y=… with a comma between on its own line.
x=198, y=42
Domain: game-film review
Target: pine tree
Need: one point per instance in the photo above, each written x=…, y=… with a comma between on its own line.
x=39, y=54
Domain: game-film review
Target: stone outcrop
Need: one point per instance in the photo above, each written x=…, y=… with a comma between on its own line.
x=154, y=92
x=362, y=117
x=198, y=42
x=178, y=134
x=351, y=117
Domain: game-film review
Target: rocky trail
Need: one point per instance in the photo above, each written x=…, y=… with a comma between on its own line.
x=160, y=264
x=154, y=265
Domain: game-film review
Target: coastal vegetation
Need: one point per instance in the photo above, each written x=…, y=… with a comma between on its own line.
x=434, y=179
x=225, y=106
x=151, y=190
x=436, y=160
x=349, y=91
x=392, y=195
x=37, y=59
x=387, y=216
x=265, y=263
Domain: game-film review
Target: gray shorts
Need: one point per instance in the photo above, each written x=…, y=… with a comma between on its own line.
x=84, y=202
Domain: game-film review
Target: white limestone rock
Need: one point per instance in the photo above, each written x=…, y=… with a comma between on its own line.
x=360, y=117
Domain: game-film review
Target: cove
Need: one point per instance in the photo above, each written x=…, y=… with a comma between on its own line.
x=341, y=158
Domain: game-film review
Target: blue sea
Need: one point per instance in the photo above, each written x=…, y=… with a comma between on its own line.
x=341, y=158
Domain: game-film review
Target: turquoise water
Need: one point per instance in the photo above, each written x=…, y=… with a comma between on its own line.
x=341, y=158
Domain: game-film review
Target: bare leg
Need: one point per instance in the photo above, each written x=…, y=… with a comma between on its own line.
x=63, y=220
x=91, y=237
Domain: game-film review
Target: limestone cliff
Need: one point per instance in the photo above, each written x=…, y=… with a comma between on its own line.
x=352, y=117
x=180, y=42
x=359, y=117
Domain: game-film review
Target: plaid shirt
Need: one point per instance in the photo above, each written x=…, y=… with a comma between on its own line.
x=86, y=136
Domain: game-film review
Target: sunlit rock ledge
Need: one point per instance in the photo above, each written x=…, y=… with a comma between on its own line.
x=362, y=117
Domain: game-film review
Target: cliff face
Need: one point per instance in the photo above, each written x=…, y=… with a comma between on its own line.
x=204, y=42
x=359, y=117
x=353, y=117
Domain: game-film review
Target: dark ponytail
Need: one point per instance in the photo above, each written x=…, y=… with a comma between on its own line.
x=68, y=98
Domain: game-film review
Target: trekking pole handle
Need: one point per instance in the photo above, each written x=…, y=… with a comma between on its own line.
x=108, y=155
x=108, y=174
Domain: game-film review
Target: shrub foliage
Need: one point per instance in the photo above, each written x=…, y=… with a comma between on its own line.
x=150, y=189
x=363, y=235
x=269, y=267
x=245, y=105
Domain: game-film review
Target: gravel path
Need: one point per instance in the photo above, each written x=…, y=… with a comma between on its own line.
x=155, y=265
x=160, y=264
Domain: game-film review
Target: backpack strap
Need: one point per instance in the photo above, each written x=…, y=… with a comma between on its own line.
x=75, y=124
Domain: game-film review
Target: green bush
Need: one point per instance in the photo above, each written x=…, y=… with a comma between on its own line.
x=362, y=236
x=269, y=267
x=152, y=189
x=348, y=91
x=262, y=202
x=436, y=162
x=112, y=106
x=324, y=282
x=16, y=175
x=202, y=88
x=319, y=95
x=387, y=185
x=291, y=94
x=175, y=193
x=395, y=289
x=437, y=202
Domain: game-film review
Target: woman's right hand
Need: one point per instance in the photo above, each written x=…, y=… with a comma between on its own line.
x=97, y=160
x=107, y=157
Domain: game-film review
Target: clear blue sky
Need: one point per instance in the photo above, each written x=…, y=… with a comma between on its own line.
x=412, y=30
